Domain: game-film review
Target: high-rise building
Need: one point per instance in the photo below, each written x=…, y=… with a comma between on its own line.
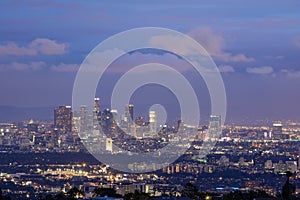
x=127, y=118
x=96, y=113
x=83, y=116
x=277, y=131
x=129, y=112
x=106, y=118
x=32, y=127
x=63, y=118
x=97, y=104
x=114, y=113
x=215, y=127
x=180, y=125
x=139, y=121
x=152, y=122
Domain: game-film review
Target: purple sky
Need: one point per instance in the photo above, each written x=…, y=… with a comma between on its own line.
x=256, y=45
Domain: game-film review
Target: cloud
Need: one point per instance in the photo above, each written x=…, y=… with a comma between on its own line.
x=215, y=43
x=211, y=41
x=279, y=57
x=291, y=73
x=176, y=44
x=226, y=69
x=97, y=60
x=40, y=45
x=296, y=41
x=39, y=65
x=46, y=4
x=16, y=66
x=48, y=47
x=260, y=70
x=228, y=57
x=62, y=67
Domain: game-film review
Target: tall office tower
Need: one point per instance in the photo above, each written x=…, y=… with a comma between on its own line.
x=180, y=126
x=106, y=118
x=277, y=131
x=63, y=118
x=32, y=127
x=83, y=115
x=96, y=105
x=215, y=127
x=76, y=121
x=129, y=112
x=139, y=121
x=127, y=118
x=96, y=113
x=114, y=114
x=152, y=122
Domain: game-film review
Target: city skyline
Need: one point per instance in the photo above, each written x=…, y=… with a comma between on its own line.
x=135, y=99
x=245, y=158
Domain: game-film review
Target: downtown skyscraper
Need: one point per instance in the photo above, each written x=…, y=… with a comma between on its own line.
x=63, y=118
x=215, y=127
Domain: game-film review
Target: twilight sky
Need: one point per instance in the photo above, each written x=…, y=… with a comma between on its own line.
x=255, y=44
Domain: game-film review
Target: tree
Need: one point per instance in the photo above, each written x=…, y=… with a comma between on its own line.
x=6, y=197
x=190, y=190
x=47, y=197
x=237, y=195
x=136, y=196
x=288, y=189
x=60, y=196
x=140, y=195
x=101, y=192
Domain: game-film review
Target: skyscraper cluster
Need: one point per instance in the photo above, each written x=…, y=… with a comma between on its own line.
x=88, y=123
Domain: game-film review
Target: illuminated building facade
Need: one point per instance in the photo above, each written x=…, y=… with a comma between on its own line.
x=152, y=122
x=215, y=127
x=63, y=118
x=277, y=131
